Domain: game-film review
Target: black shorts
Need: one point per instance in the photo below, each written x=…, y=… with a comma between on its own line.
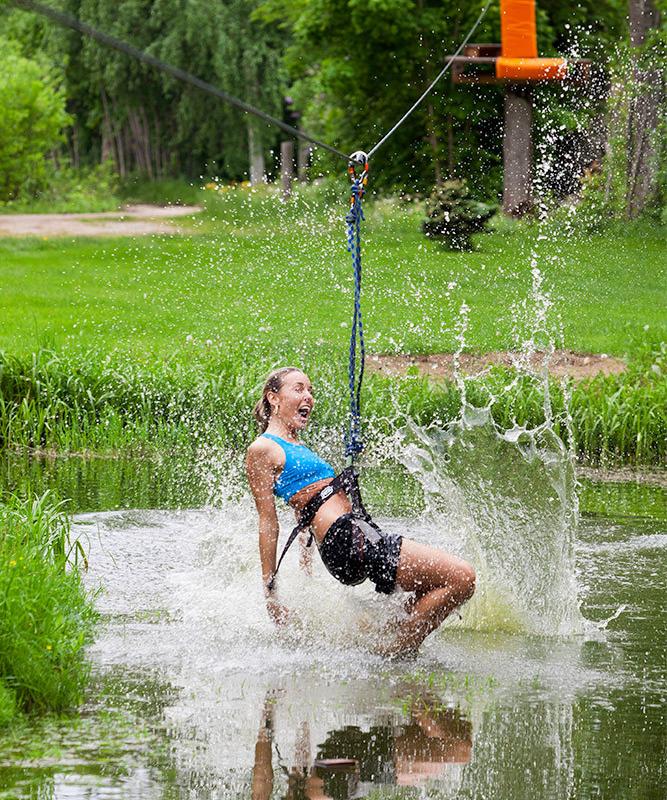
x=354, y=549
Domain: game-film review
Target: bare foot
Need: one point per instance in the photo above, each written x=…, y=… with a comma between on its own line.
x=395, y=650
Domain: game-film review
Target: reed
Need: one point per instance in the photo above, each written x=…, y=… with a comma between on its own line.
x=74, y=403
x=46, y=615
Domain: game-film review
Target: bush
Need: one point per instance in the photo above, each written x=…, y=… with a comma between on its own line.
x=453, y=216
x=32, y=119
x=68, y=190
x=46, y=616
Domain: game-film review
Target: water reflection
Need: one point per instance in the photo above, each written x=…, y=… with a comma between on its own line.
x=432, y=742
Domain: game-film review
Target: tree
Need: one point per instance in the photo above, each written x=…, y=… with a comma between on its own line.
x=357, y=68
x=32, y=120
x=645, y=131
x=148, y=121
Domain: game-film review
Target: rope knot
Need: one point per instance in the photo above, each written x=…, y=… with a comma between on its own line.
x=356, y=212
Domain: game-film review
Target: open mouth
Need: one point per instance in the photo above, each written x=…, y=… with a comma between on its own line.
x=304, y=411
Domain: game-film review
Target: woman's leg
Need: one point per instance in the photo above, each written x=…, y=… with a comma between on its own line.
x=440, y=582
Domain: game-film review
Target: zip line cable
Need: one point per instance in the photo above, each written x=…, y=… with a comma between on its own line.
x=110, y=41
x=429, y=89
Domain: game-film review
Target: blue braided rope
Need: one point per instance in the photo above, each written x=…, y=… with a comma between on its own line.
x=353, y=441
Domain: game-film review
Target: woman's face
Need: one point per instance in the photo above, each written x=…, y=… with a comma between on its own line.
x=294, y=402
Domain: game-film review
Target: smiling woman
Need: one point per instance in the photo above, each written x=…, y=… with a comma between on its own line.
x=351, y=545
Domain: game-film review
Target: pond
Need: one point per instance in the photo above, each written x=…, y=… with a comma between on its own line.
x=195, y=694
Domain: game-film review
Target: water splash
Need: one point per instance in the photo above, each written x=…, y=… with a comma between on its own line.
x=509, y=497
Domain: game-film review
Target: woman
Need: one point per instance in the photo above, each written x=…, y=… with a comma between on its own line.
x=278, y=464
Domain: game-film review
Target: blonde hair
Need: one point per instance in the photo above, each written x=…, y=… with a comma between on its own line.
x=274, y=382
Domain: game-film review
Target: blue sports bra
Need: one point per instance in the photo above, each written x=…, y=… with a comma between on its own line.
x=302, y=467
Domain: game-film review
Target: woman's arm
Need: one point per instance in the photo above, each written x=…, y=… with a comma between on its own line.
x=260, y=469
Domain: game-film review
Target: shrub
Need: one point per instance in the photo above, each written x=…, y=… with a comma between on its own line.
x=32, y=119
x=67, y=190
x=453, y=216
x=46, y=616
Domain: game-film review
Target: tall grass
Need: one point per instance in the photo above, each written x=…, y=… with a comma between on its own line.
x=83, y=402
x=46, y=616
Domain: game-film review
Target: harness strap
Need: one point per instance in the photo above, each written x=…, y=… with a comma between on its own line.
x=347, y=481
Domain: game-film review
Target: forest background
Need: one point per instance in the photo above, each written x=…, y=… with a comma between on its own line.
x=344, y=71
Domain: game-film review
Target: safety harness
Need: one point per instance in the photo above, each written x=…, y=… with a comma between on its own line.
x=346, y=481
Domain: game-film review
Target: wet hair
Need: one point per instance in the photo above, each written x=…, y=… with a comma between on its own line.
x=274, y=382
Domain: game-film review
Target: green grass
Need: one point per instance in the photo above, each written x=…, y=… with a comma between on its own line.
x=145, y=343
x=161, y=192
x=265, y=274
x=78, y=402
x=96, y=189
x=46, y=617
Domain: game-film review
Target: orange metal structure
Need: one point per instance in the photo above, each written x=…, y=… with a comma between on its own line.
x=518, y=60
x=515, y=59
x=518, y=33
x=516, y=64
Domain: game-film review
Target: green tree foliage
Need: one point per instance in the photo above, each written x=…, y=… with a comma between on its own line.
x=32, y=120
x=357, y=67
x=145, y=120
x=352, y=67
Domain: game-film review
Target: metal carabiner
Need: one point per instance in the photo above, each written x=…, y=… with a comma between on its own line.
x=358, y=160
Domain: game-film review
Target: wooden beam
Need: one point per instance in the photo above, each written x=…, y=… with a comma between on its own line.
x=518, y=152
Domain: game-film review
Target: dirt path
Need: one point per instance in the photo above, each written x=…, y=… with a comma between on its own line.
x=441, y=365
x=129, y=221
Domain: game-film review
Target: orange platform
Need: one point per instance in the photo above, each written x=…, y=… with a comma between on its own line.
x=515, y=59
x=531, y=69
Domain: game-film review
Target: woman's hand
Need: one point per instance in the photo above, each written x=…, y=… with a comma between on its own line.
x=277, y=611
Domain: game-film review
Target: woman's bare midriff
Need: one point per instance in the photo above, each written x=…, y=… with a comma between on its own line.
x=334, y=507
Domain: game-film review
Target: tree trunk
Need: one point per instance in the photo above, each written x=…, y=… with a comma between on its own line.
x=148, y=149
x=287, y=168
x=303, y=160
x=451, y=162
x=644, y=118
x=435, y=145
x=74, y=146
x=431, y=127
x=431, y=133
x=517, y=152
x=112, y=142
x=256, y=155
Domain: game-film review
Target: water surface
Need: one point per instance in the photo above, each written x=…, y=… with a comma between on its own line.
x=197, y=695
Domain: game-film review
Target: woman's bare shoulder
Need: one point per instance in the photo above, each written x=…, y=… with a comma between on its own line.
x=264, y=449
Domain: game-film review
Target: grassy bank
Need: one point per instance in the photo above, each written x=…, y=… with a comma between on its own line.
x=258, y=271
x=51, y=401
x=46, y=616
x=156, y=342
x=82, y=191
